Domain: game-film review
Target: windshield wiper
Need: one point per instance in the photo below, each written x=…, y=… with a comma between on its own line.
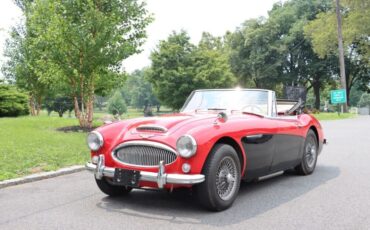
x=216, y=109
x=254, y=114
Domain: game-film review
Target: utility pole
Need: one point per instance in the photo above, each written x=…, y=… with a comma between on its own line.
x=341, y=53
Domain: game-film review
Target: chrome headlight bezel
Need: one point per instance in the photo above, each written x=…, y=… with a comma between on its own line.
x=186, y=146
x=94, y=140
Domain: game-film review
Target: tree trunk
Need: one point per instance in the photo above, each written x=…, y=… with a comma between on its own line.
x=85, y=113
x=316, y=91
x=32, y=105
x=90, y=108
x=77, y=110
x=38, y=108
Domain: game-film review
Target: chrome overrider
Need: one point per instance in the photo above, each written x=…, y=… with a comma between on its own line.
x=161, y=177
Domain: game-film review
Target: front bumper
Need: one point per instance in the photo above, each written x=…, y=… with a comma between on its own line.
x=161, y=177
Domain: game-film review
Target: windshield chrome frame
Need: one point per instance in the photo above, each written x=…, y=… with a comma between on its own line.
x=271, y=112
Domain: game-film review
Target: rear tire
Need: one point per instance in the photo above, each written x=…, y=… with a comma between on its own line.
x=309, y=157
x=222, y=179
x=112, y=190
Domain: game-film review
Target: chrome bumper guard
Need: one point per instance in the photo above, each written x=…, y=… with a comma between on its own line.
x=161, y=177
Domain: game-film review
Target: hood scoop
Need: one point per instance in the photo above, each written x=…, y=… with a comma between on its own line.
x=151, y=128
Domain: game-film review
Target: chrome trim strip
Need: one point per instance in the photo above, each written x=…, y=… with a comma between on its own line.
x=161, y=178
x=270, y=175
x=254, y=136
x=145, y=143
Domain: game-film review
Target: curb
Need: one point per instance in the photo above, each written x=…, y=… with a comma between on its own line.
x=41, y=176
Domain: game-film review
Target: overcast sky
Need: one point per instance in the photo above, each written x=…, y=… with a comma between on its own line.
x=194, y=16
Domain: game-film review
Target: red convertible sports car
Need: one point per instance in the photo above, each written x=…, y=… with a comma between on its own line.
x=219, y=138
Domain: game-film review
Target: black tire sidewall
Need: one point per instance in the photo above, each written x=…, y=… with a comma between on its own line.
x=112, y=190
x=208, y=192
x=311, y=136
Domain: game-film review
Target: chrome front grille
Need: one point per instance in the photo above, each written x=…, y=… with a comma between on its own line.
x=143, y=153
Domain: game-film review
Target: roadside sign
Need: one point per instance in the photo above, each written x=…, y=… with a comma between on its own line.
x=338, y=96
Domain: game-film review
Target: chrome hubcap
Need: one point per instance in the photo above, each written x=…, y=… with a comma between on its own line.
x=310, y=154
x=226, y=178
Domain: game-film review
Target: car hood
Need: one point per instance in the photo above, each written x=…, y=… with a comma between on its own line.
x=168, y=127
x=170, y=122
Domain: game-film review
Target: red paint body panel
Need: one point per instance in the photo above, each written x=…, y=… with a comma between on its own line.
x=205, y=132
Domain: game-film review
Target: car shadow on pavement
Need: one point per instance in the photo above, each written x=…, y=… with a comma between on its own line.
x=253, y=199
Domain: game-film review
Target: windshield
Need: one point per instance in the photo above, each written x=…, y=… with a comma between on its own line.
x=253, y=101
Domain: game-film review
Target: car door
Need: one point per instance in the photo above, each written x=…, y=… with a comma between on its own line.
x=259, y=145
x=289, y=142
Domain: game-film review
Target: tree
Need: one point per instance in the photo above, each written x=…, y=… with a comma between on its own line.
x=254, y=56
x=211, y=67
x=85, y=42
x=364, y=100
x=141, y=91
x=179, y=67
x=13, y=103
x=21, y=67
x=116, y=104
x=266, y=53
x=323, y=35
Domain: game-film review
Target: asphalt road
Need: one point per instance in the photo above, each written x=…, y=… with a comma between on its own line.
x=336, y=196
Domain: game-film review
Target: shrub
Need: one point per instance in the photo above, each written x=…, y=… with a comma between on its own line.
x=59, y=104
x=13, y=103
x=364, y=100
x=116, y=104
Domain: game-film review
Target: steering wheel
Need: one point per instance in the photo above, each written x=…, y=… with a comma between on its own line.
x=252, y=108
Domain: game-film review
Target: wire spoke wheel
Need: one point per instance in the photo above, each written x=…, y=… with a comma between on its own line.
x=225, y=178
x=222, y=173
x=310, y=153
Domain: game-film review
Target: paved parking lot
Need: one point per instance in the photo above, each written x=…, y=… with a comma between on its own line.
x=336, y=196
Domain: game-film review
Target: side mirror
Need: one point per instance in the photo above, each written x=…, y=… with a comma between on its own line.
x=221, y=117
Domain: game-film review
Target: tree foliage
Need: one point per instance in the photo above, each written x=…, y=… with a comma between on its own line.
x=84, y=43
x=22, y=68
x=268, y=52
x=59, y=104
x=179, y=67
x=13, y=103
x=254, y=56
x=322, y=32
x=140, y=91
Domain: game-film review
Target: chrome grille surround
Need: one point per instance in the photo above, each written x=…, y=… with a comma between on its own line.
x=144, y=154
x=150, y=128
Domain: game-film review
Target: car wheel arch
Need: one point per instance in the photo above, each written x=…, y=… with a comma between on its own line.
x=233, y=143
x=314, y=129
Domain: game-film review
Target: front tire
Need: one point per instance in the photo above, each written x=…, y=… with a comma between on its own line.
x=112, y=190
x=310, y=153
x=222, y=179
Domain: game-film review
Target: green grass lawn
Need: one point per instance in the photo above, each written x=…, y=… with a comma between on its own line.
x=334, y=116
x=31, y=144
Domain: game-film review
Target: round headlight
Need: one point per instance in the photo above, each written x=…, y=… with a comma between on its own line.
x=95, y=140
x=186, y=146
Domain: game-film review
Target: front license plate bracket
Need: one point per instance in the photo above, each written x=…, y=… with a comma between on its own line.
x=126, y=177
